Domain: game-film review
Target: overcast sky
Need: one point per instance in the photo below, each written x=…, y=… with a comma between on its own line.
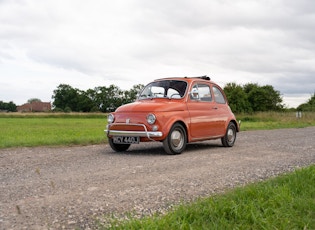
x=126, y=42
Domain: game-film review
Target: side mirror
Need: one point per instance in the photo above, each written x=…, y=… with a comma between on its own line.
x=194, y=94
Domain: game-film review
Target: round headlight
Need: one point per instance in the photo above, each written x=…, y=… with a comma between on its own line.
x=110, y=118
x=151, y=119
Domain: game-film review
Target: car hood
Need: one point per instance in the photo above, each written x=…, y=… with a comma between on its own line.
x=153, y=105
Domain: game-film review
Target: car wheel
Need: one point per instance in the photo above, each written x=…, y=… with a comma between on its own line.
x=118, y=147
x=176, y=140
x=230, y=136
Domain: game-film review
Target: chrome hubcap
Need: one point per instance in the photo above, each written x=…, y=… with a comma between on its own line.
x=177, y=139
x=230, y=135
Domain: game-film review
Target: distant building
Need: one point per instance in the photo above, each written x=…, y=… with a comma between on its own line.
x=36, y=106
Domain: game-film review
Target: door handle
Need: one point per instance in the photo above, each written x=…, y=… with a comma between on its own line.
x=214, y=107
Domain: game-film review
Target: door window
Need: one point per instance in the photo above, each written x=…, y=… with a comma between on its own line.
x=201, y=92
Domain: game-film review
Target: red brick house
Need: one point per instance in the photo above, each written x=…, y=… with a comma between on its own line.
x=36, y=106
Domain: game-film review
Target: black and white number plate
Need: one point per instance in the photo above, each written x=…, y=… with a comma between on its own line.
x=126, y=140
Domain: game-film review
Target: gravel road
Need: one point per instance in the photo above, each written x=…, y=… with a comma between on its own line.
x=71, y=187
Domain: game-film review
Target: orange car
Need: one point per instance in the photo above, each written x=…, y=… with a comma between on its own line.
x=175, y=111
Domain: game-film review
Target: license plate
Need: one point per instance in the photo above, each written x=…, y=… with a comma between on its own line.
x=126, y=140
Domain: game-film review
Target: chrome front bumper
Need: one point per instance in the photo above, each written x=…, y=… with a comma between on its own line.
x=144, y=133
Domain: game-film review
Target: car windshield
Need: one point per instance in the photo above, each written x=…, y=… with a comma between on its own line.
x=164, y=89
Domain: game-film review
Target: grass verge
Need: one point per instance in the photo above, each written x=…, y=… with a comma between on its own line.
x=275, y=120
x=285, y=202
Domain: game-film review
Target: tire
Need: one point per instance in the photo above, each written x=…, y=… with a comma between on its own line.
x=230, y=136
x=176, y=140
x=118, y=147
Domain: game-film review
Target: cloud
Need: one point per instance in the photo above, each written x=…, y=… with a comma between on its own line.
x=88, y=44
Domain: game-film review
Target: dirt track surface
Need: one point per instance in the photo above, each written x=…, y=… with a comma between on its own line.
x=70, y=187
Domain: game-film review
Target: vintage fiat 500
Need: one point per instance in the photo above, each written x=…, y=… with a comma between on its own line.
x=175, y=111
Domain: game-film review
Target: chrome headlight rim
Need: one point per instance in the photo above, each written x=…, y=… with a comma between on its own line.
x=151, y=118
x=110, y=118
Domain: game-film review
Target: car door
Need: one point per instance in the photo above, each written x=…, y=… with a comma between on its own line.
x=202, y=109
x=221, y=110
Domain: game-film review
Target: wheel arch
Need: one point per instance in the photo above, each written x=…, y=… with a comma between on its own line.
x=176, y=140
x=184, y=126
x=236, y=125
x=179, y=121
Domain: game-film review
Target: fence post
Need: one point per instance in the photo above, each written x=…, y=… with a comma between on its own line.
x=298, y=114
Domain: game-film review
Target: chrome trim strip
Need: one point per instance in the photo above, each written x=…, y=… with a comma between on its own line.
x=206, y=138
x=133, y=133
x=145, y=133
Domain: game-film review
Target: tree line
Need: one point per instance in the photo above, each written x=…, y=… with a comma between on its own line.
x=99, y=99
x=253, y=98
x=246, y=98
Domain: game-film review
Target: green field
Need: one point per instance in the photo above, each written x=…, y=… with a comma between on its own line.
x=19, y=130
x=53, y=129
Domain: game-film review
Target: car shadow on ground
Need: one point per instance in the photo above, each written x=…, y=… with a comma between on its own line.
x=156, y=149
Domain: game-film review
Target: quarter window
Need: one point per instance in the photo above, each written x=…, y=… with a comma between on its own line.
x=218, y=96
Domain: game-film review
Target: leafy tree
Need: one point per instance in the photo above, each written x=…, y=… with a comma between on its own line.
x=71, y=99
x=66, y=97
x=7, y=106
x=131, y=95
x=108, y=99
x=257, y=99
x=309, y=105
x=252, y=98
x=33, y=100
x=264, y=98
x=237, y=98
x=273, y=98
x=85, y=103
x=249, y=87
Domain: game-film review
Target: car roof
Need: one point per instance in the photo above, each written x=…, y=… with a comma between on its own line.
x=189, y=79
